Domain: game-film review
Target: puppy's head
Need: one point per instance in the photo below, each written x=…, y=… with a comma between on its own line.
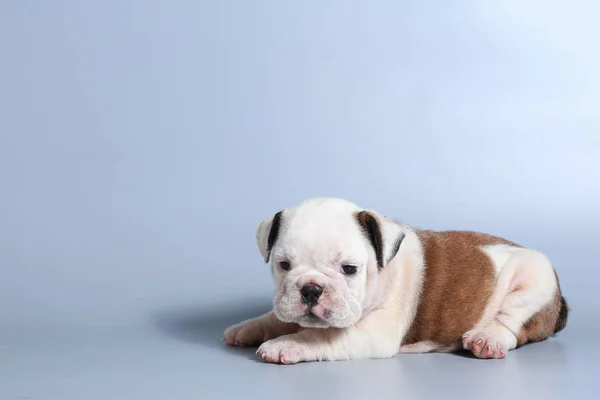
x=327, y=258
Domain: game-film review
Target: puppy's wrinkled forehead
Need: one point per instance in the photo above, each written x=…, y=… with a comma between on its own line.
x=329, y=229
x=323, y=229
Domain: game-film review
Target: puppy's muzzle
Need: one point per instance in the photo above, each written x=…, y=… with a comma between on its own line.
x=311, y=294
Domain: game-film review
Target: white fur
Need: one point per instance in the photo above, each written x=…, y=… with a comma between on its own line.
x=368, y=314
x=525, y=284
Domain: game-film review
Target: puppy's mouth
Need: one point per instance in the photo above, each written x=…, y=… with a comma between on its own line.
x=310, y=319
x=312, y=316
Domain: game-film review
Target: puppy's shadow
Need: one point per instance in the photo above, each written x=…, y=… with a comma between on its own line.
x=205, y=327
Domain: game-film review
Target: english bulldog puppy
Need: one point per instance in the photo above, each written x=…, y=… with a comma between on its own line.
x=352, y=284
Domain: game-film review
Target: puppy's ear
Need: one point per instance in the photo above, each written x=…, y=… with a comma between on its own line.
x=385, y=236
x=266, y=234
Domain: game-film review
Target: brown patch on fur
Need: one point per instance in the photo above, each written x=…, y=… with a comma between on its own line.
x=459, y=280
x=548, y=321
x=563, y=316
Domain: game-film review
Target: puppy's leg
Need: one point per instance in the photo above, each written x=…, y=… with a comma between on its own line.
x=526, y=286
x=377, y=335
x=255, y=331
x=419, y=347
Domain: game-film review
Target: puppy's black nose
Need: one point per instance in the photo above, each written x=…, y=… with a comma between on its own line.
x=311, y=294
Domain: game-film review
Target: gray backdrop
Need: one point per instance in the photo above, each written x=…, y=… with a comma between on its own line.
x=141, y=142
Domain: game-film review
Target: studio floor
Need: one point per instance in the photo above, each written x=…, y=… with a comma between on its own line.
x=178, y=354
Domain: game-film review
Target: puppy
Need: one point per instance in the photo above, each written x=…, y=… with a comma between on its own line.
x=353, y=284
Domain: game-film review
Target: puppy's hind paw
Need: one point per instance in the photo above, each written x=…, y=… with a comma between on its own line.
x=492, y=342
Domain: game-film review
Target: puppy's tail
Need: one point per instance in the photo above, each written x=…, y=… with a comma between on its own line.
x=563, y=315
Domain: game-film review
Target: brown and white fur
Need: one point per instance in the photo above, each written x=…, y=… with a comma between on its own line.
x=414, y=291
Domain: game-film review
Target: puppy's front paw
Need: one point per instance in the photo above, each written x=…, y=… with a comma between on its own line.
x=284, y=350
x=246, y=334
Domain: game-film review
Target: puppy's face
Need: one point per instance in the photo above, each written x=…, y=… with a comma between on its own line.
x=327, y=256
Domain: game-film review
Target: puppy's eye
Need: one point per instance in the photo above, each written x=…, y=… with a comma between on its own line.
x=349, y=269
x=284, y=265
